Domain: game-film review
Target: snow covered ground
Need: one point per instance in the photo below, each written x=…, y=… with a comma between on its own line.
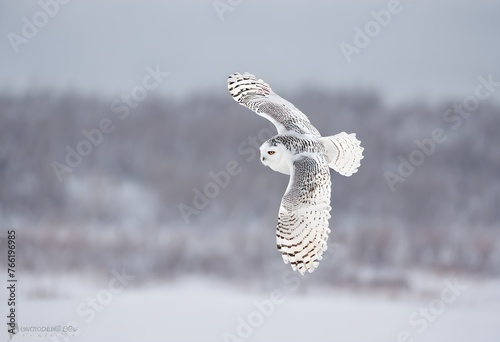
x=443, y=309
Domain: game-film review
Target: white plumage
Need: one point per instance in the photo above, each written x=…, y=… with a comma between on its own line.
x=299, y=150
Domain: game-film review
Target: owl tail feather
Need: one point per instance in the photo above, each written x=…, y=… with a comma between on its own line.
x=344, y=152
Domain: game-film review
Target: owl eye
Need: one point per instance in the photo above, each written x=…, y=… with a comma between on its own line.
x=271, y=152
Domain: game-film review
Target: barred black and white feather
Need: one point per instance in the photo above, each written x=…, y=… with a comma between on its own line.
x=302, y=231
x=259, y=97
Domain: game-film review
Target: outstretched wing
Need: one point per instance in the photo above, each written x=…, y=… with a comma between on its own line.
x=302, y=231
x=258, y=96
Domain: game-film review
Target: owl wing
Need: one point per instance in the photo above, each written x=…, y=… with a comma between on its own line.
x=302, y=230
x=258, y=96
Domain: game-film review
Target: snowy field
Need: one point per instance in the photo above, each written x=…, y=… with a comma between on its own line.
x=200, y=310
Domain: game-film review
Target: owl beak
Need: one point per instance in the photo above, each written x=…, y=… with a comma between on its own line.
x=263, y=158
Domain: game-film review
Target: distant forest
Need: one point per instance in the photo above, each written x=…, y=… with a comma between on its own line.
x=176, y=187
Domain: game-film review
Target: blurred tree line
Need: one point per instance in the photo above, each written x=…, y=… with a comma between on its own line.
x=121, y=202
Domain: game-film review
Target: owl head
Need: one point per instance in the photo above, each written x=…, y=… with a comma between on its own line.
x=275, y=155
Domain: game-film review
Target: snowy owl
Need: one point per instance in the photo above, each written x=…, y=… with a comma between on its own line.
x=298, y=150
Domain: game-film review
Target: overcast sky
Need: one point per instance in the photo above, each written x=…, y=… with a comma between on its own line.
x=429, y=49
